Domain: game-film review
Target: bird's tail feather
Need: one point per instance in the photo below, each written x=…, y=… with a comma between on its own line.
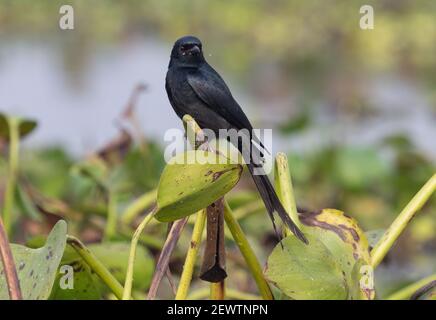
x=272, y=202
x=267, y=192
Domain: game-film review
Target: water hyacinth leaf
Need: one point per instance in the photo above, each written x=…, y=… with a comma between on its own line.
x=26, y=205
x=115, y=256
x=338, y=241
x=362, y=281
x=94, y=170
x=296, y=124
x=37, y=268
x=359, y=167
x=193, y=180
x=345, y=240
x=82, y=286
x=306, y=272
x=341, y=234
x=25, y=126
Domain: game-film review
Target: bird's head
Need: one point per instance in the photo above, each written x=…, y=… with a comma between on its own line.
x=187, y=51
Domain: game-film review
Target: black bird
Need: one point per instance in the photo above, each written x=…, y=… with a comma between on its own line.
x=195, y=88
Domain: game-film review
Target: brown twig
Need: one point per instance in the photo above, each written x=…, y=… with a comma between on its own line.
x=164, y=258
x=9, y=266
x=171, y=282
x=129, y=114
x=213, y=268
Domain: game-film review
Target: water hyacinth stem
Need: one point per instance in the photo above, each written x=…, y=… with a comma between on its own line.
x=112, y=216
x=96, y=266
x=132, y=255
x=394, y=231
x=248, y=253
x=217, y=290
x=191, y=256
x=137, y=206
x=230, y=294
x=14, y=146
x=409, y=290
x=285, y=191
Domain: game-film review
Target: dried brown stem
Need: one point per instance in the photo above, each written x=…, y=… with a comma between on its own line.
x=213, y=268
x=165, y=255
x=9, y=266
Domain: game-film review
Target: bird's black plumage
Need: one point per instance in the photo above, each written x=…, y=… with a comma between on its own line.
x=195, y=88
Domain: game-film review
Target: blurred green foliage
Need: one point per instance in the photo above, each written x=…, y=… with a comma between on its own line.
x=305, y=37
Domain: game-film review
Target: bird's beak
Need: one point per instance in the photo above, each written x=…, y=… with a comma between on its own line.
x=195, y=50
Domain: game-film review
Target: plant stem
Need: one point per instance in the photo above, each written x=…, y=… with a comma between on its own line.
x=14, y=145
x=112, y=215
x=217, y=290
x=191, y=256
x=132, y=255
x=284, y=189
x=230, y=293
x=144, y=239
x=390, y=236
x=248, y=209
x=247, y=252
x=139, y=205
x=194, y=134
x=164, y=258
x=96, y=266
x=9, y=266
x=409, y=290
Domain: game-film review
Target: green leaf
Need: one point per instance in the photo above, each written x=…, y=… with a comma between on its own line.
x=48, y=170
x=114, y=255
x=85, y=284
x=362, y=279
x=192, y=181
x=37, y=268
x=341, y=234
x=344, y=250
x=26, y=205
x=359, y=167
x=345, y=240
x=93, y=169
x=306, y=272
x=25, y=126
x=296, y=124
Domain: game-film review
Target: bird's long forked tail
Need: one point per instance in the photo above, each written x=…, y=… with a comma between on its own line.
x=272, y=202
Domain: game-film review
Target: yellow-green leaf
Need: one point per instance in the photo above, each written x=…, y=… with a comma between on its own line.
x=306, y=272
x=193, y=180
x=335, y=264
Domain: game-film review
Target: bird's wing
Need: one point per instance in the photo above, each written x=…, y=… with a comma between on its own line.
x=213, y=91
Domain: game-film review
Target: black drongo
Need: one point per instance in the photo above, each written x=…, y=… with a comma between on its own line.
x=195, y=88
